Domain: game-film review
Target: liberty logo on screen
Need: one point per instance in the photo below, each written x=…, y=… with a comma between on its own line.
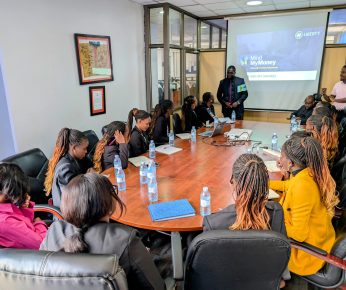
x=300, y=34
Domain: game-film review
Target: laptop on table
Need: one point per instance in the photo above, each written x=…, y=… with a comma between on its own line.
x=218, y=130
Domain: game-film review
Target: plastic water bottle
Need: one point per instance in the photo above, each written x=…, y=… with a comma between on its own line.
x=216, y=121
x=117, y=164
x=294, y=124
x=275, y=142
x=151, y=171
x=193, y=135
x=143, y=173
x=205, y=202
x=233, y=116
x=121, y=180
x=153, y=194
x=171, y=138
x=152, y=149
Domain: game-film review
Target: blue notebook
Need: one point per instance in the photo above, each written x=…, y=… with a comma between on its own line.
x=171, y=210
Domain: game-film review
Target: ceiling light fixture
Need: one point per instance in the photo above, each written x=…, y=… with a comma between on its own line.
x=254, y=3
x=204, y=27
x=161, y=12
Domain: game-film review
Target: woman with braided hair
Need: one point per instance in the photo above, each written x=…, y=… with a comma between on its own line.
x=325, y=130
x=252, y=210
x=87, y=204
x=308, y=200
x=67, y=162
x=112, y=143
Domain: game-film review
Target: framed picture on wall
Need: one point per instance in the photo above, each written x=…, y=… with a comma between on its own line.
x=94, y=58
x=97, y=99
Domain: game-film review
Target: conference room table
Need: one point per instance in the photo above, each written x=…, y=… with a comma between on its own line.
x=182, y=175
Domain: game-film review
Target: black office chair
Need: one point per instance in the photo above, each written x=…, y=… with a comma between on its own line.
x=34, y=163
x=93, y=139
x=178, y=128
x=332, y=274
x=236, y=260
x=40, y=270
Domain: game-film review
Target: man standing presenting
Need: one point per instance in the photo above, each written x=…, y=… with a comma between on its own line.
x=232, y=93
x=338, y=95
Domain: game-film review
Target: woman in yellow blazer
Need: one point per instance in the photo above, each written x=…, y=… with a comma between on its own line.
x=308, y=200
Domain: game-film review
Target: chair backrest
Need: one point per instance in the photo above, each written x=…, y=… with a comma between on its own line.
x=40, y=270
x=233, y=260
x=34, y=163
x=93, y=139
x=177, y=124
x=331, y=276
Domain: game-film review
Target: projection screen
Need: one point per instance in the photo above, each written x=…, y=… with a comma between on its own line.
x=279, y=56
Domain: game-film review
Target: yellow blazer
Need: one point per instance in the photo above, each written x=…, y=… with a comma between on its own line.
x=306, y=220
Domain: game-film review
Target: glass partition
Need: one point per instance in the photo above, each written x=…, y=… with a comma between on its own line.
x=223, y=38
x=336, y=33
x=205, y=35
x=190, y=32
x=174, y=25
x=215, y=37
x=191, y=74
x=175, y=77
x=156, y=25
x=157, y=75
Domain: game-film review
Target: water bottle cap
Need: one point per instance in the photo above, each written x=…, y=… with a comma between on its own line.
x=205, y=188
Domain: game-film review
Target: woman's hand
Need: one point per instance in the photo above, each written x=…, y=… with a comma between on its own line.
x=285, y=174
x=119, y=137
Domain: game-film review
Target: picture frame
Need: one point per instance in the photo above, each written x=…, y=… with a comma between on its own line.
x=94, y=58
x=97, y=100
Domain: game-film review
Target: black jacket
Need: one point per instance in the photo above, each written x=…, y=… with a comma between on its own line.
x=190, y=119
x=160, y=131
x=238, y=96
x=303, y=113
x=202, y=113
x=112, y=238
x=65, y=170
x=139, y=142
x=110, y=152
x=226, y=217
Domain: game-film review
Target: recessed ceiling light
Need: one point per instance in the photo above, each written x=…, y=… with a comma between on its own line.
x=254, y=3
x=204, y=27
x=161, y=12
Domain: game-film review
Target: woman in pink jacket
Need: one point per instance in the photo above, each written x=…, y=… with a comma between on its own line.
x=18, y=228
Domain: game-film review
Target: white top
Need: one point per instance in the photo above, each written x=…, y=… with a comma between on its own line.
x=339, y=91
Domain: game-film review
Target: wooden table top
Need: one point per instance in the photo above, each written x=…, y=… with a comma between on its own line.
x=183, y=175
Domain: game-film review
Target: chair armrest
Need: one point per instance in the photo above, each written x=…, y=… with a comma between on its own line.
x=319, y=253
x=309, y=247
x=49, y=209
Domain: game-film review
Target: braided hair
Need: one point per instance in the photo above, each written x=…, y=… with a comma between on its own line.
x=251, y=188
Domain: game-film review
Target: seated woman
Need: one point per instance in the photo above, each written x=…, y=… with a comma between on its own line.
x=160, y=125
x=202, y=109
x=67, y=162
x=251, y=210
x=87, y=204
x=189, y=116
x=325, y=130
x=18, y=228
x=138, y=139
x=112, y=143
x=308, y=200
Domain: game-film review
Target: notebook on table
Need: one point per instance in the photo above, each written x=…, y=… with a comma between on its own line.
x=171, y=210
x=272, y=166
x=273, y=194
x=136, y=161
x=184, y=136
x=167, y=149
x=272, y=152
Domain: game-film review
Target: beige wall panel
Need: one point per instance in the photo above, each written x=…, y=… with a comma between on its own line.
x=212, y=70
x=334, y=59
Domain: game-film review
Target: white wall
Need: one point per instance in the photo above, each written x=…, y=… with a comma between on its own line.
x=40, y=66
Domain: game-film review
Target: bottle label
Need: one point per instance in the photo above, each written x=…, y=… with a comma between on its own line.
x=143, y=173
x=120, y=180
x=205, y=203
x=150, y=175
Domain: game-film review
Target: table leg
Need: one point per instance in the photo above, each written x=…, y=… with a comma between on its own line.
x=177, y=256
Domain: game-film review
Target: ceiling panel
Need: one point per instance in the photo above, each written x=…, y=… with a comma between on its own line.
x=206, y=8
